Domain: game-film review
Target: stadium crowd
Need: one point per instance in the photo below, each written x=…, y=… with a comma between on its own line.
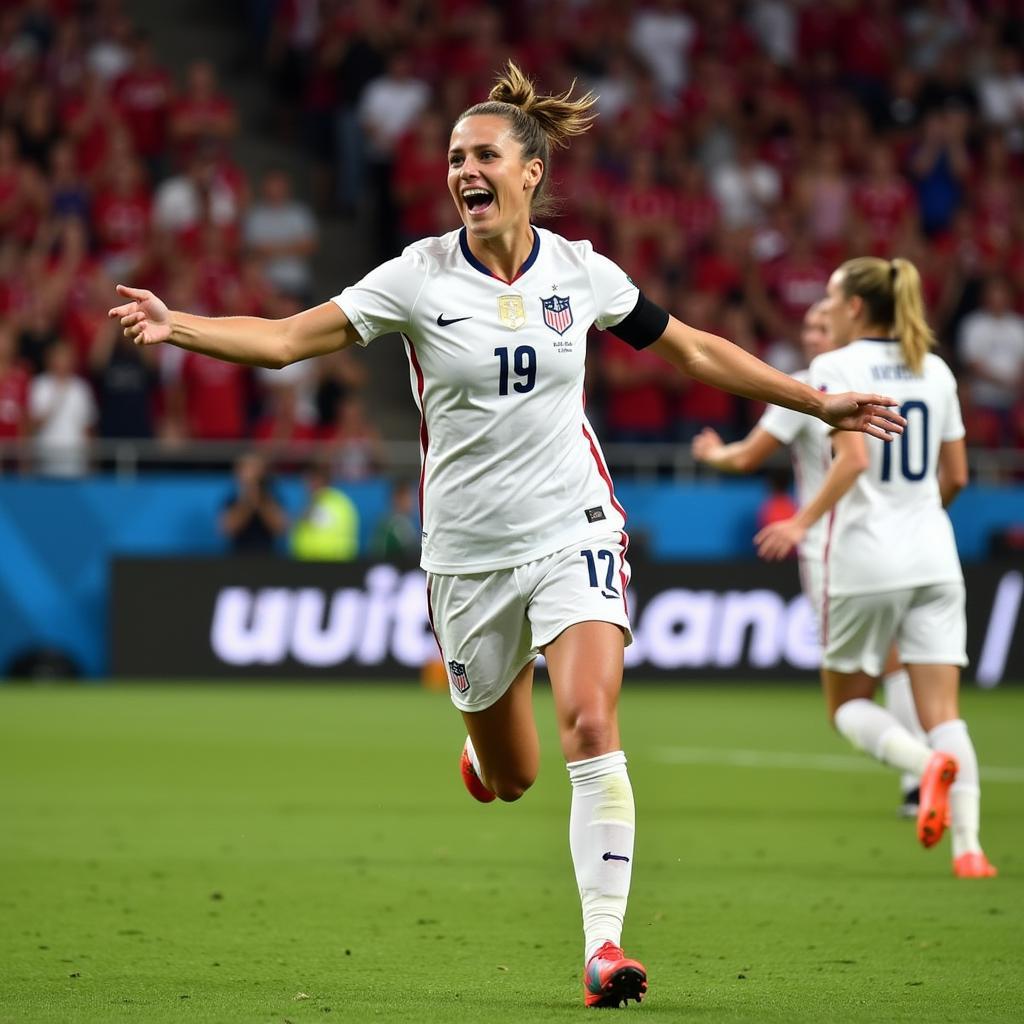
x=742, y=151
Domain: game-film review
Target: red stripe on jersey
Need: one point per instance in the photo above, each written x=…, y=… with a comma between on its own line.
x=606, y=476
x=603, y=470
x=424, y=437
x=624, y=541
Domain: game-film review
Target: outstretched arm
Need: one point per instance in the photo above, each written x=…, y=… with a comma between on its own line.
x=777, y=540
x=718, y=362
x=739, y=457
x=238, y=339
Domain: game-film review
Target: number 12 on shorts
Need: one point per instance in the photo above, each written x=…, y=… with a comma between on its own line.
x=608, y=590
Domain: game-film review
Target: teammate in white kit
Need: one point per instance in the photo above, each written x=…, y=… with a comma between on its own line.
x=524, y=542
x=891, y=564
x=811, y=448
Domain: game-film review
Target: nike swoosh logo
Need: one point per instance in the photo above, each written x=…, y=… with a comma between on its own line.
x=615, y=856
x=441, y=322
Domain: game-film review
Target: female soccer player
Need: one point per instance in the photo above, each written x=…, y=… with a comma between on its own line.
x=523, y=539
x=891, y=564
x=811, y=448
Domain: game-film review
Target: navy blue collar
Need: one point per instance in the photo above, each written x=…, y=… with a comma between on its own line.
x=879, y=339
x=477, y=265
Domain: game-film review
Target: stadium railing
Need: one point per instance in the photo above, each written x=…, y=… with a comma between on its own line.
x=127, y=458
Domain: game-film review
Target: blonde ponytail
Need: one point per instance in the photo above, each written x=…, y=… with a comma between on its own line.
x=538, y=122
x=891, y=293
x=911, y=327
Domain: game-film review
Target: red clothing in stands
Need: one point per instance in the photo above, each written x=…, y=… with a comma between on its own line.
x=214, y=397
x=796, y=285
x=13, y=400
x=144, y=99
x=121, y=222
x=884, y=207
x=644, y=406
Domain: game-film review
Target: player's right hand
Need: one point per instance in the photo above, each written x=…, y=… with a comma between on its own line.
x=706, y=442
x=146, y=320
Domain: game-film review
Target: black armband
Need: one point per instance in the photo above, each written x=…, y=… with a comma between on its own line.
x=644, y=326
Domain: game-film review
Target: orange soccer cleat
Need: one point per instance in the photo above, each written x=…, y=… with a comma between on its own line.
x=611, y=978
x=973, y=865
x=933, y=814
x=470, y=778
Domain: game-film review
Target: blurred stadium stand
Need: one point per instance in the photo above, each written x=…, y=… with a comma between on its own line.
x=742, y=151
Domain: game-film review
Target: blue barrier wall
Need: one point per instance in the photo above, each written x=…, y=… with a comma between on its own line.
x=57, y=539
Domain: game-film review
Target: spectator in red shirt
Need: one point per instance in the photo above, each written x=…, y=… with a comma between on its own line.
x=91, y=119
x=282, y=430
x=583, y=189
x=14, y=379
x=638, y=403
x=144, y=94
x=202, y=114
x=121, y=217
x=643, y=215
x=420, y=164
x=214, y=397
x=821, y=197
x=23, y=194
x=700, y=405
x=696, y=208
x=883, y=201
x=788, y=285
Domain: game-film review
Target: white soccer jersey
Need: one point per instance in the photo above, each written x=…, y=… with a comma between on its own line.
x=511, y=468
x=809, y=445
x=890, y=530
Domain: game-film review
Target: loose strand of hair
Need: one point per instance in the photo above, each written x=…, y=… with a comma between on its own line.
x=560, y=116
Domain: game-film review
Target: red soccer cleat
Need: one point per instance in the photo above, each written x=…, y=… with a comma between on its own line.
x=973, y=865
x=933, y=814
x=611, y=978
x=476, y=788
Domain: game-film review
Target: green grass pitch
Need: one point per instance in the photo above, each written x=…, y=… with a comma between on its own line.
x=297, y=854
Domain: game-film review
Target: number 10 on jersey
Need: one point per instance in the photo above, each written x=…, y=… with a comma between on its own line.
x=524, y=365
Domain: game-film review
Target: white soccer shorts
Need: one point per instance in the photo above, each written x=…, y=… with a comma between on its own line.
x=490, y=624
x=928, y=625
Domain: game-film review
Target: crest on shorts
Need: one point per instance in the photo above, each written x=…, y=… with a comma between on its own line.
x=460, y=680
x=511, y=311
x=557, y=313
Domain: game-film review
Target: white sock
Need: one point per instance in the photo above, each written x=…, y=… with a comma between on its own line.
x=871, y=728
x=899, y=701
x=601, y=829
x=953, y=738
x=473, y=759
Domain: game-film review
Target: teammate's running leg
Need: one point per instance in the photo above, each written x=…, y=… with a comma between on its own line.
x=874, y=730
x=936, y=692
x=899, y=700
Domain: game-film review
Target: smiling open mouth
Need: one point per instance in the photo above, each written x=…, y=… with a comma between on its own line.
x=477, y=200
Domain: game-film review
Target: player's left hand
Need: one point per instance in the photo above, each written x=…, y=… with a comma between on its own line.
x=777, y=540
x=870, y=414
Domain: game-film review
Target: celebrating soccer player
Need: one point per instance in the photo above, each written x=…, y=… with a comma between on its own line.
x=524, y=542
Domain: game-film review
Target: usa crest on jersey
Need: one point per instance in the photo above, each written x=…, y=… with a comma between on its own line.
x=460, y=680
x=557, y=313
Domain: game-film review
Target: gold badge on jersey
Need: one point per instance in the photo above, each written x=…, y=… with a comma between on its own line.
x=511, y=311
